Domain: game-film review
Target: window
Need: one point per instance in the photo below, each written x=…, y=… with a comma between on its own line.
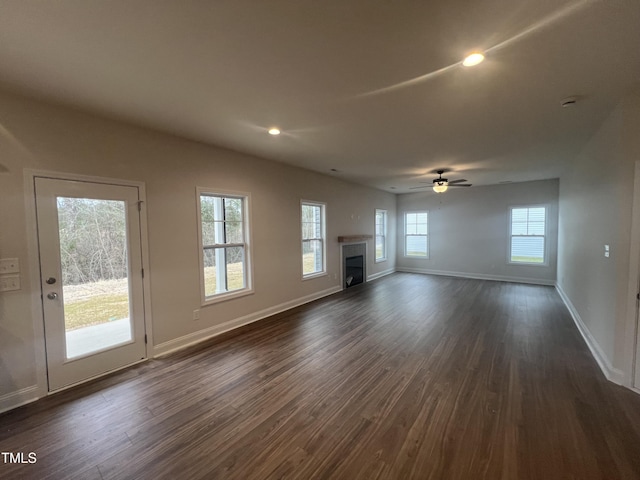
x=416, y=242
x=313, y=239
x=224, y=246
x=528, y=228
x=381, y=235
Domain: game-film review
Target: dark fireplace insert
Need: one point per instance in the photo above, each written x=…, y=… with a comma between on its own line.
x=354, y=269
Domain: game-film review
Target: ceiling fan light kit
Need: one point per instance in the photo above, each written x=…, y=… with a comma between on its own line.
x=440, y=187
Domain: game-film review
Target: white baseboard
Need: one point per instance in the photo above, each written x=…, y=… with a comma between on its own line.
x=21, y=397
x=477, y=276
x=202, y=335
x=380, y=274
x=18, y=398
x=613, y=374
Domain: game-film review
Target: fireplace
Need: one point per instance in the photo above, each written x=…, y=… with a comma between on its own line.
x=354, y=270
x=354, y=264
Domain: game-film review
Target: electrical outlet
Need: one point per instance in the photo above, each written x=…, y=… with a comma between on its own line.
x=196, y=315
x=9, y=283
x=9, y=265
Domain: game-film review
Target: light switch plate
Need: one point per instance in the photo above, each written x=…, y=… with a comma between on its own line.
x=9, y=265
x=9, y=283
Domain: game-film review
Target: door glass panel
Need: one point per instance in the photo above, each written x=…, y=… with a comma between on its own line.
x=93, y=251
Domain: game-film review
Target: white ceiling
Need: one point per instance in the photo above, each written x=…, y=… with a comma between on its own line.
x=373, y=88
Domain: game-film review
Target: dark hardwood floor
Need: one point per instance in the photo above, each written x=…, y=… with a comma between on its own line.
x=407, y=377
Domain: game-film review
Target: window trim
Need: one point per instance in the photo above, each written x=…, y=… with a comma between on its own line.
x=545, y=262
x=246, y=224
x=323, y=239
x=404, y=235
x=384, y=235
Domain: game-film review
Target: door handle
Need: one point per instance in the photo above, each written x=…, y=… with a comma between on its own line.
x=52, y=296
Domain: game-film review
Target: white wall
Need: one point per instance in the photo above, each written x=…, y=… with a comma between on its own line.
x=36, y=135
x=596, y=199
x=469, y=231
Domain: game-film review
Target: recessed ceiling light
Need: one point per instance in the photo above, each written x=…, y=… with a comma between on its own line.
x=473, y=59
x=274, y=131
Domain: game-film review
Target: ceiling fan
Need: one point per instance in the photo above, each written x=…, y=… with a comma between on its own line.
x=440, y=185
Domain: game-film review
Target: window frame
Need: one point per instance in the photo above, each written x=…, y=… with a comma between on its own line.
x=545, y=262
x=246, y=244
x=323, y=239
x=384, y=235
x=405, y=235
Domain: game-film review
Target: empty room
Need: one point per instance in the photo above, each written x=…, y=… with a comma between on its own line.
x=319, y=240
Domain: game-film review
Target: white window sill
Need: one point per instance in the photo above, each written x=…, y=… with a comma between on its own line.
x=380, y=260
x=311, y=276
x=223, y=297
x=546, y=264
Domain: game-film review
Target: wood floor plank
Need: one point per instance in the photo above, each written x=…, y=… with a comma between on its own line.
x=408, y=377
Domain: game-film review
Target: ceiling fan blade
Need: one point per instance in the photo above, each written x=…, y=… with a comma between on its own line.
x=462, y=180
x=460, y=185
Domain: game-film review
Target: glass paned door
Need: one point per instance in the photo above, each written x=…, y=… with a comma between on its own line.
x=95, y=283
x=91, y=266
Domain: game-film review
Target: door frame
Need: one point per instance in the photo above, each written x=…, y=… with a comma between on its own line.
x=33, y=284
x=632, y=323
